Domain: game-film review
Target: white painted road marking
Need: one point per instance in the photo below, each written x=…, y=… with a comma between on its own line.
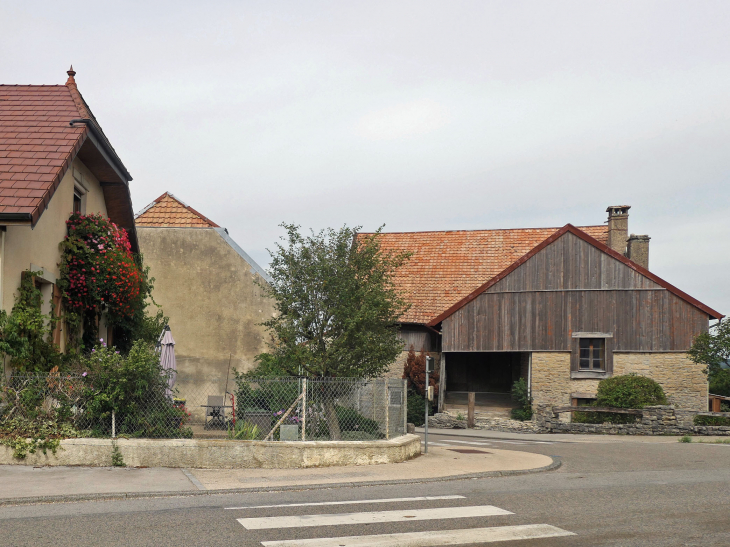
x=351, y=502
x=475, y=443
x=407, y=515
x=431, y=538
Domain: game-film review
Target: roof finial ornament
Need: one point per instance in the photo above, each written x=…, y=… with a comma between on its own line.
x=71, y=73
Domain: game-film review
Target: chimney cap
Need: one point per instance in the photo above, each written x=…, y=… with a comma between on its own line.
x=618, y=209
x=639, y=237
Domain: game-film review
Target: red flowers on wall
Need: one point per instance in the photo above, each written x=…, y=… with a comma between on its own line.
x=98, y=270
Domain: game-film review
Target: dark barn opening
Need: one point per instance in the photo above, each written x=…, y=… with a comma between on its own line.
x=489, y=374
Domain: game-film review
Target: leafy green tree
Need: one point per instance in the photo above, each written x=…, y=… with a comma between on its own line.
x=336, y=308
x=712, y=349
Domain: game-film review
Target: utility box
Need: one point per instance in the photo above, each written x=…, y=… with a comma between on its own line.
x=429, y=364
x=430, y=393
x=289, y=432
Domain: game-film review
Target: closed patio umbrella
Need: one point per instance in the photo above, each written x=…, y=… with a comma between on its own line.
x=167, y=358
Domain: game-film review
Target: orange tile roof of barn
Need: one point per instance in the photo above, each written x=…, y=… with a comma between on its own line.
x=447, y=266
x=169, y=212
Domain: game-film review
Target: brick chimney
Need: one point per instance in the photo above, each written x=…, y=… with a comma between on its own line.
x=638, y=250
x=618, y=227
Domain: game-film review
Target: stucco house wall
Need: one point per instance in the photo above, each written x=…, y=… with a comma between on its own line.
x=209, y=291
x=38, y=247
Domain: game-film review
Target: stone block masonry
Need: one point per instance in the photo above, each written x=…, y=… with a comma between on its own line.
x=655, y=420
x=683, y=381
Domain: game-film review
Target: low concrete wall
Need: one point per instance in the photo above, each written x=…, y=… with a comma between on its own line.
x=222, y=454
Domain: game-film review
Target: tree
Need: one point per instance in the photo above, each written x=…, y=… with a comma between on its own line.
x=712, y=349
x=336, y=308
x=414, y=371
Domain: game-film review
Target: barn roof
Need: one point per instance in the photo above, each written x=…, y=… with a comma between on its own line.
x=447, y=266
x=596, y=242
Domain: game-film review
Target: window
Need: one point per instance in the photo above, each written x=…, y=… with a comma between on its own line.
x=77, y=202
x=592, y=354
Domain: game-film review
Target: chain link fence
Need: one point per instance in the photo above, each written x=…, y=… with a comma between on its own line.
x=291, y=409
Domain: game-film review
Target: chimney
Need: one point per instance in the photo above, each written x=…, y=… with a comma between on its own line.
x=638, y=250
x=618, y=227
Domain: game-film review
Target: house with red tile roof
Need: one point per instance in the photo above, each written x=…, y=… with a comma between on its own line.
x=54, y=160
x=210, y=289
x=562, y=308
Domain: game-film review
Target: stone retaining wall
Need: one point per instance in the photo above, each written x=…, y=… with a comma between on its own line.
x=223, y=454
x=655, y=420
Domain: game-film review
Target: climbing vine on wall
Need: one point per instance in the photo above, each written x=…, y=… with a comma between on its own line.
x=100, y=274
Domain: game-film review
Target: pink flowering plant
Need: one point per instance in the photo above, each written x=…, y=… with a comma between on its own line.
x=99, y=273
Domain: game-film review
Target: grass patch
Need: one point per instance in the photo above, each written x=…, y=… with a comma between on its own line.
x=685, y=439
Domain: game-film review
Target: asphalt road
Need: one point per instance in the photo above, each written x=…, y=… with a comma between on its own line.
x=616, y=493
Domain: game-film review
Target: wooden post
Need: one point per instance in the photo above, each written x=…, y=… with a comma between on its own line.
x=442, y=382
x=470, y=411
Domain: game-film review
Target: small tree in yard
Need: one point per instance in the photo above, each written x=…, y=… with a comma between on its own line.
x=415, y=372
x=337, y=308
x=712, y=349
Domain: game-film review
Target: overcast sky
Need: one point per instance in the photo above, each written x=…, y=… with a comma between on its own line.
x=417, y=115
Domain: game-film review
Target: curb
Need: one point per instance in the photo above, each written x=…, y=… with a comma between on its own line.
x=6, y=502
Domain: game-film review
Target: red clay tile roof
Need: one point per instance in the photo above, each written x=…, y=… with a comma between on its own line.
x=37, y=144
x=169, y=212
x=585, y=235
x=447, y=266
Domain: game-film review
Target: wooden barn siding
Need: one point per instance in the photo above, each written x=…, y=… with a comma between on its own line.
x=570, y=286
x=420, y=339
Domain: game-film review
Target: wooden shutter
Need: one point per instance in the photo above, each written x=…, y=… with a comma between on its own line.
x=57, y=312
x=608, y=355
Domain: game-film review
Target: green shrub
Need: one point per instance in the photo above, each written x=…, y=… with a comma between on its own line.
x=135, y=388
x=720, y=382
x=627, y=391
x=711, y=420
x=685, y=439
x=351, y=420
x=417, y=408
x=521, y=395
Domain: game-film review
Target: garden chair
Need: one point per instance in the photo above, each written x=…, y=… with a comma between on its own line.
x=215, y=411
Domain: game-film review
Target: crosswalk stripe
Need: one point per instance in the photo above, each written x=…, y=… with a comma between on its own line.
x=475, y=443
x=351, y=502
x=406, y=515
x=431, y=538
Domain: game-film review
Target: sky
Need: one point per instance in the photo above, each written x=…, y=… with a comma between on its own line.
x=414, y=115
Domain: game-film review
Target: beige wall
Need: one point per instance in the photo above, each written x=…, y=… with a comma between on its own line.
x=682, y=380
x=208, y=291
x=39, y=245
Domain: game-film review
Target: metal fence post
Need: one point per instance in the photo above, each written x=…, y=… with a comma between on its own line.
x=304, y=409
x=387, y=413
x=404, y=406
x=114, y=425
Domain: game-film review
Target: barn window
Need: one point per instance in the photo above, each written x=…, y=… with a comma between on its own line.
x=592, y=354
